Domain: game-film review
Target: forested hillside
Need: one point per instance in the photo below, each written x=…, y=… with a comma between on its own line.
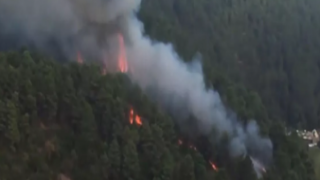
x=69, y=121
x=269, y=46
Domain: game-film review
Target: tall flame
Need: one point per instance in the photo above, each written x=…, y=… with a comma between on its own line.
x=122, y=58
x=134, y=118
x=131, y=116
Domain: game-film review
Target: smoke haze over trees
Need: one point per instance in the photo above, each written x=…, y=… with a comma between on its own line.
x=76, y=119
x=154, y=64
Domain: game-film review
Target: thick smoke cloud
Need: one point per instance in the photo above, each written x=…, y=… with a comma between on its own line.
x=62, y=26
x=181, y=86
x=36, y=22
x=88, y=25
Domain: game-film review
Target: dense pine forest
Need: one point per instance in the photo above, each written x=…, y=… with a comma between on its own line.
x=67, y=121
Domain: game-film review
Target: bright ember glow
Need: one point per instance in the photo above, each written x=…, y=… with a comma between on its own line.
x=131, y=116
x=213, y=166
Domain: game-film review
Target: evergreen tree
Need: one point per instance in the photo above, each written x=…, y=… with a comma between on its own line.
x=187, y=168
x=167, y=165
x=12, y=116
x=131, y=167
x=115, y=160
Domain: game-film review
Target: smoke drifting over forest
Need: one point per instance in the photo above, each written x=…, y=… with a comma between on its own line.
x=67, y=26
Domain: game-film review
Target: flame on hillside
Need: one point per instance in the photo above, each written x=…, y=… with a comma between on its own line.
x=213, y=166
x=122, y=63
x=134, y=118
x=122, y=57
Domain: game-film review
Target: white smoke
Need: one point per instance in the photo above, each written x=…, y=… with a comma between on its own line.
x=156, y=65
x=258, y=167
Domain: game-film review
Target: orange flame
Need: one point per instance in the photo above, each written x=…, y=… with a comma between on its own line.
x=122, y=59
x=134, y=118
x=131, y=117
x=213, y=166
x=79, y=58
x=138, y=120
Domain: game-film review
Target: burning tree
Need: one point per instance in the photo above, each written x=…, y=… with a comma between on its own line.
x=121, y=57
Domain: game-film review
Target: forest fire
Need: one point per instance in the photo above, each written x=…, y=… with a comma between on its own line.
x=134, y=118
x=122, y=64
x=213, y=166
x=122, y=58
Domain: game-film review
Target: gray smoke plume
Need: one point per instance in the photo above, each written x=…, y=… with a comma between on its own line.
x=155, y=65
x=181, y=86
